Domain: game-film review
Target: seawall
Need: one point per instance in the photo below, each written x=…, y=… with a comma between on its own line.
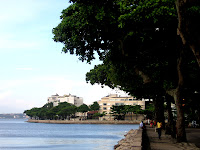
x=132, y=141
x=84, y=121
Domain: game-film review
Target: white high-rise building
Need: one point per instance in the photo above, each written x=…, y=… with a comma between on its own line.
x=72, y=99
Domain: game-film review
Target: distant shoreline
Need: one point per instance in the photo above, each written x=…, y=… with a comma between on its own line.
x=83, y=122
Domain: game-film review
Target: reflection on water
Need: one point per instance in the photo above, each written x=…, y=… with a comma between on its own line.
x=17, y=134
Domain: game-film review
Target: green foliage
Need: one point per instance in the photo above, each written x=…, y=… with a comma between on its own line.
x=101, y=74
x=83, y=108
x=120, y=111
x=82, y=26
x=98, y=26
x=194, y=11
x=63, y=110
x=99, y=114
x=149, y=111
x=127, y=35
x=67, y=111
x=123, y=109
x=151, y=11
x=137, y=41
x=168, y=85
x=33, y=112
x=94, y=106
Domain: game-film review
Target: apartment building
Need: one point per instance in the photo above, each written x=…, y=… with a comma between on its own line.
x=113, y=99
x=72, y=99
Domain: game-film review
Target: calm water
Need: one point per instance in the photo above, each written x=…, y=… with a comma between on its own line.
x=16, y=134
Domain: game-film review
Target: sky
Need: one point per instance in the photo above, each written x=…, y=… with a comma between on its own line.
x=32, y=65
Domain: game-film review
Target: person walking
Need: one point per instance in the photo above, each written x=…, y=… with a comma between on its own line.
x=159, y=128
x=141, y=124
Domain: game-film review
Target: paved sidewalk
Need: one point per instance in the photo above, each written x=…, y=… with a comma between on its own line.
x=167, y=143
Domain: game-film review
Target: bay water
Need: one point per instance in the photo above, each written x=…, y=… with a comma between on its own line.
x=17, y=134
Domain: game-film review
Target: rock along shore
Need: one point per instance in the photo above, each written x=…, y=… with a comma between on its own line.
x=83, y=121
x=132, y=141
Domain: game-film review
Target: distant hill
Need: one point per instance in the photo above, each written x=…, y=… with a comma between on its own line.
x=11, y=116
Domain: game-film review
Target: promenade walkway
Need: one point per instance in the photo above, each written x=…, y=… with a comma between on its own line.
x=167, y=143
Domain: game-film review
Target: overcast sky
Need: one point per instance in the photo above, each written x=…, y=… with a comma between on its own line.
x=32, y=65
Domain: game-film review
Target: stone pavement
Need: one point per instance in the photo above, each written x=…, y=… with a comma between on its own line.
x=167, y=143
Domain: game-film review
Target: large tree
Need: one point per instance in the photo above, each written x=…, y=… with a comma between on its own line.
x=139, y=34
x=188, y=25
x=83, y=108
x=94, y=106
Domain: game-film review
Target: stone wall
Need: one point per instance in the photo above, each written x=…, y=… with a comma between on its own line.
x=132, y=141
x=83, y=121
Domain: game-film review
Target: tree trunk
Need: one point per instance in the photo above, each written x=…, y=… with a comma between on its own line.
x=177, y=94
x=180, y=124
x=159, y=109
x=188, y=25
x=170, y=128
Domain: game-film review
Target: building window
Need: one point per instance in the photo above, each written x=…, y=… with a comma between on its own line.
x=119, y=104
x=130, y=99
x=104, y=108
x=104, y=104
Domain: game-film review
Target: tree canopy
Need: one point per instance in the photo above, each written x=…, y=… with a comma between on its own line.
x=83, y=108
x=63, y=111
x=138, y=43
x=94, y=106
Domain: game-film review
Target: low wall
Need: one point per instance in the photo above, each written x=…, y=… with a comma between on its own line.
x=132, y=141
x=84, y=121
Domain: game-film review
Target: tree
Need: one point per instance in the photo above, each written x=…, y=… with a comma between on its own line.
x=188, y=25
x=140, y=34
x=67, y=112
x=121, y=111
x=99, y=114
x=95, y=106
x=62, y=111
x=118, y=111
x=51, y=113
x=83, y=108
x=149, y=110
x=33, y=113
x=112, y=35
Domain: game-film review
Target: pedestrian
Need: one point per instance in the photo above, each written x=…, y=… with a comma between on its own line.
x=154, y=124
x=194, y=124
x=141, y=124
x=159, y=128
x=151, y=124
